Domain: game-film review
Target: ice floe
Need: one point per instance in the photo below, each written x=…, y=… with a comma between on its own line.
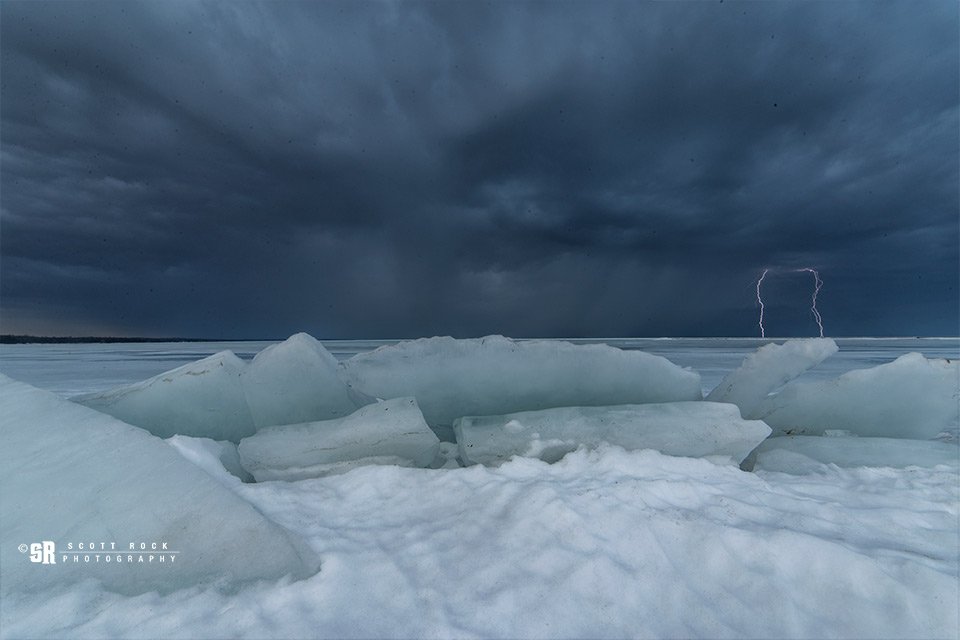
x=296, y=381
x=912, y=397
x=496, y=375
x=203, y=399
x=694, y=429
x=388, y=432
x=769, y=368
x=224, y=398
x=805, y=454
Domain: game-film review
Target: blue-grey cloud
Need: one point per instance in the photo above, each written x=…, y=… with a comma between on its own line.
x=243, y=169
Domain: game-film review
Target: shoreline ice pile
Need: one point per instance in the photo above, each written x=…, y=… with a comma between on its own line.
x=490, y=488
x=223, y=398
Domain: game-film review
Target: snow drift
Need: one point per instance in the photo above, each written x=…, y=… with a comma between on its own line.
x=606, y=543
x=71, y=475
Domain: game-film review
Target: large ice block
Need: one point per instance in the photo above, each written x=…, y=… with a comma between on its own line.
x=769, y=368
x=388, y=432
x=295, y=381
x=691, y=429
x=71, y=475
x=911, y=397
x=802, y=454
x=203, y=399
x=495, y=375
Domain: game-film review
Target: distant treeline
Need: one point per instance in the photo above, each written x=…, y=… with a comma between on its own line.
x=11, y=339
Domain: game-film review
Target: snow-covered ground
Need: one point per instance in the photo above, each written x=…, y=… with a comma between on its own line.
x=604, y=543
x=601, y=544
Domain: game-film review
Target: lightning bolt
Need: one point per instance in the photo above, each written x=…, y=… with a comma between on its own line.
x=817, y=285
x=763, y=333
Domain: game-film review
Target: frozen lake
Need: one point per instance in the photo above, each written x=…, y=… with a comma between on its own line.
x=858, y=540
x=69, y=369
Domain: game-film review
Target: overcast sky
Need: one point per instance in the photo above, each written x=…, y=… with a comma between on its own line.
x=361, y=169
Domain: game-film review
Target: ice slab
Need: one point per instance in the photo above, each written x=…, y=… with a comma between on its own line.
x=690, y=429
x=202, y=399
x=769, y=368
x=803, y=454
x=389, y=432
x=70, y=475
x=296, y=381
x=496, y=375
x=911, y=397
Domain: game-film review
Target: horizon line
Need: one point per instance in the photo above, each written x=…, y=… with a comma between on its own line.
x=93, y=339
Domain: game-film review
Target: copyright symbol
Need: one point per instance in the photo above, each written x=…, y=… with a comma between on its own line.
x=22, y=548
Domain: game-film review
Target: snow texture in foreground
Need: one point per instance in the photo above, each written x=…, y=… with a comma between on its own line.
x=203, y=399
x=496, y=375
x=769, y=368
x=71, y=474
x=694, y=429
x=605, y=543
x=805, y=454
x=911, y=397
x=388, y=432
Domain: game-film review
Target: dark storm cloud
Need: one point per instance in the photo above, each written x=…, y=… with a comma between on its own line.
x=375, y=169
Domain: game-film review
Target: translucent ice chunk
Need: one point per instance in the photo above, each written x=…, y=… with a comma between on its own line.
x=768, y=368
x=223, y=398
x=295, y=381
x=911, y=397
x=203, y=399
x=389, y=432
x=495, y=375
x=802, y=454
x=692, y=429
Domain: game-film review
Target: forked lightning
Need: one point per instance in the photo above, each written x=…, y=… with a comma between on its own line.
x=817, y=285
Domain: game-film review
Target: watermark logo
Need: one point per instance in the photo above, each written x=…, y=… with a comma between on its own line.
x=45, y=552
x=41, y=552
